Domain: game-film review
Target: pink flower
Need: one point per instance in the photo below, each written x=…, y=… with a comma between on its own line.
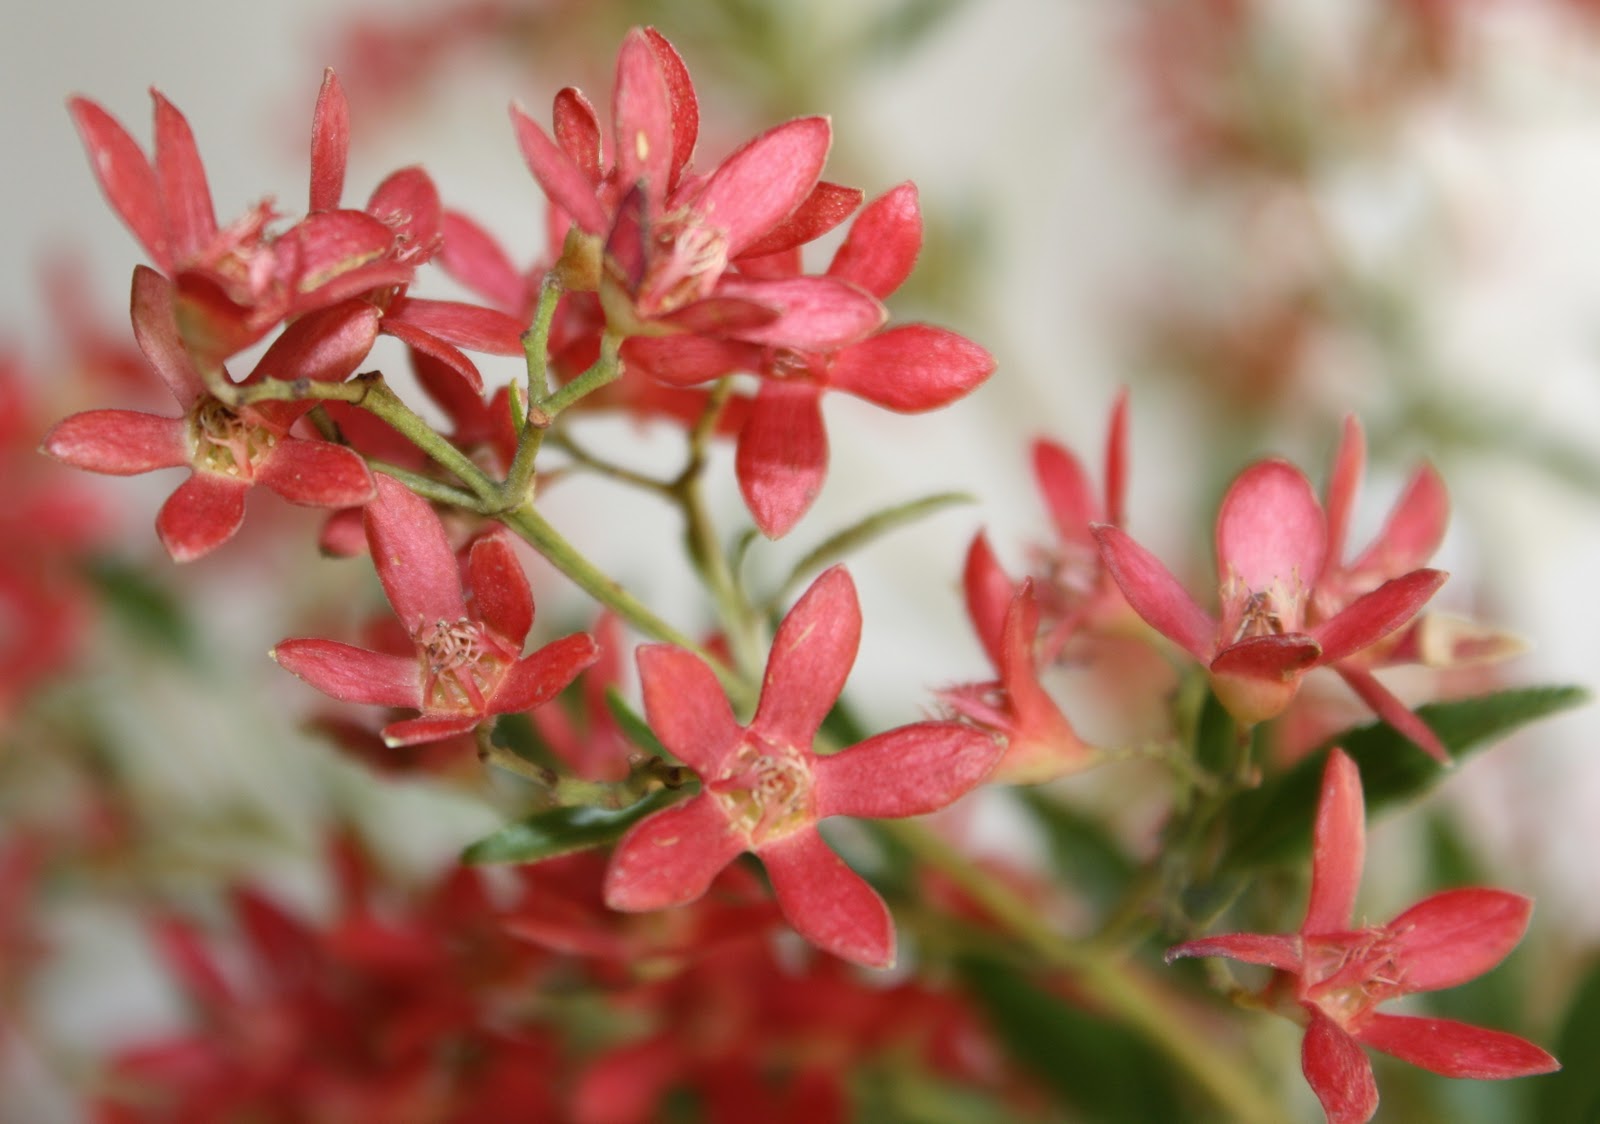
x=1270, y=541
x=468, y=663
x=1342, y=974
x=228, y=450
x=765, y=789
x=657, y=241
x=782, y=456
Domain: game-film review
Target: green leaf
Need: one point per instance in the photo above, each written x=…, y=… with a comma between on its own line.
x=1273, y=823
x=859, y=534
x=634, y=727
x=1082, y=851
x=1100, y=1068
x=1216, y=737
x=560, y=831
x=1573, y=1095
x=146, y=607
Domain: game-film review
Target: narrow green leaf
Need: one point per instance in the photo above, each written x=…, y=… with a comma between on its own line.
x=1101, y=1069
x=560, y=831
x=859, y=534
x=1216, y=737
x=146, y=607
x=1273, y=823
x=1082, y=851
x=1573, y=1095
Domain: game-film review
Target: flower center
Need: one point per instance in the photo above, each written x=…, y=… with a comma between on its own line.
x=462, y=665
x=227, y=444
x=1351, y=973
x=765, y=789
x=687, y=257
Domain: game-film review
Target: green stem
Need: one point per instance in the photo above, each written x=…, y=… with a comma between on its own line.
x=532, y=421
x=1106, y=978
x=603, y=467
x=429, y=488
x=605, y=370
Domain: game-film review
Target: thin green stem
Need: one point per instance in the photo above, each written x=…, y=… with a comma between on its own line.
x=429, y=488
x=532, y=420
x=605, y=370
x=586, y=459
x=1105, y=977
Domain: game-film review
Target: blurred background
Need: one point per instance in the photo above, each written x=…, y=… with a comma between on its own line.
x=1258, y=217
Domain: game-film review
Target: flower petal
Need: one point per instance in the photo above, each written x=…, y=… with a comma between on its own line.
x=989, y=593
x=1345, y=480
x=1155, y=594
x=352, y=674
x=764, y=182
x=429, y=728
x=1117, y=460
x=501, y=596
x=908, y=771
x=813, y=313
x=1456, y=1049
x=185, y=197
x=687, y=359
x=1414, y=529
x=829, y=904
x=1338, y=1072
x=119, y=442
x=685, y=106
x=1389, y=708
x=1068, y=495
x=911, y=368
x=537, y=678
x=205, y=512
x=465, y=325
x=1270, y=529
x=155, y=330
x=125, y=176
x=671, y=857
x=447, y=356
x=407, y=202
x=413, y=557
x=1457, y=935
x=562, y=181
x=641, y=112
x=782, y=454
x=811, y=657
x=324, y=346
x=474, y=258
x=1250, y=948
x=1375, y=615
x=316, y=474
x=330, y=143
x=879, y=252
x=828, y=205
x=1338, y=847
x=577, y=131
x=686, y=707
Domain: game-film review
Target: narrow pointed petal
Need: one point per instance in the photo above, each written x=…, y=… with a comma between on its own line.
x=1375, y=615
x=766, y=180
x=119, y=442
x=1155, y=594
x=537, y=678
x=1068, y=494
x=1338, y=1072
x=814, y=313
x=1274, y=951
x=905, y=772
x=1455, y=1049
x=465, y=325
x=501, y=596
x=316, y=474
x=1389, y=708
x=671, y=857
x=782, y=455
x=429, y=728
x=1338, y=847
x=687, y=708
x=155, y=330
x=1349, y=463
x=185, y=196
x=323, y=346
x=641, y=111
x=474, y=258
x=562, y=181
x=829, y=904
x=330, y=144
x=205, y=512
x=577, y=131
x=1270, y=529
x=828, y=205
x=125, y=176
x=407, y=202
x=1117, y=461
x=882, y=247
x=911, y=368
x=1457, y=935
x=413, y=557
x=989, y=593
x=685, y=106
x=688, y=360
x=810, y=659
x=352, y=674
x=1415, y=528
x=447, y=356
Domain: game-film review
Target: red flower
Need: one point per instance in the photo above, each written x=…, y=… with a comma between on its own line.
x=1270, y=541
x=911, y=368
x=228, y=450
x=468, y=663
x=657, y=242
x=764, y=788
x=1341, y=974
